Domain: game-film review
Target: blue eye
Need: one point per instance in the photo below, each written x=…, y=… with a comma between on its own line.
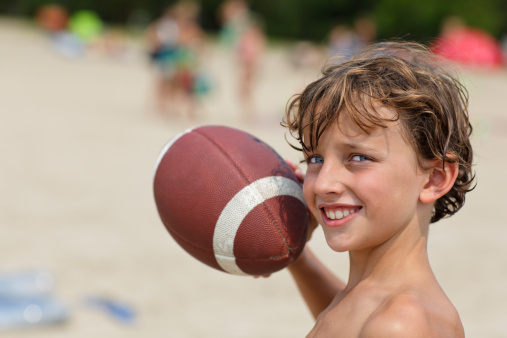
x=315, y=160
x=360, y=158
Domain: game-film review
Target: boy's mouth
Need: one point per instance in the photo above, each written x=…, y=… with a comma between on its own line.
x=340, y=213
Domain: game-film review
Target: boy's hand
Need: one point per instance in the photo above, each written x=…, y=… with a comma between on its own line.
x=312, y=223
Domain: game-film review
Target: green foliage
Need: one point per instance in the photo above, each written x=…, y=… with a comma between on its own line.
x=308, y=20
x=422, y=20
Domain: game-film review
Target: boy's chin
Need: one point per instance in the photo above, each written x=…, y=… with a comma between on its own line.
x=338, y=244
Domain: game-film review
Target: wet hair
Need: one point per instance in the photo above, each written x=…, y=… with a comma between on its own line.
x=429, y=102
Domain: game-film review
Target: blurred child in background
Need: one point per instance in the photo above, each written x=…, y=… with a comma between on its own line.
x=175, y=42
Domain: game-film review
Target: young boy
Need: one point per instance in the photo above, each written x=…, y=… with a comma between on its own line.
x=386, y=139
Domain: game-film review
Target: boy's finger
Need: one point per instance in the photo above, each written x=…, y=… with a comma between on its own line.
x=297, y=171
x=299, y=175
x=291, y=164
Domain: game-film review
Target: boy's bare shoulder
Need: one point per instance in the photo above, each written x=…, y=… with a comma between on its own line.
x=401, y=316
x=406, y=315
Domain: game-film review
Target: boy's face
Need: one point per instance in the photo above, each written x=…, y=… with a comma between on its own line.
x=363, y=188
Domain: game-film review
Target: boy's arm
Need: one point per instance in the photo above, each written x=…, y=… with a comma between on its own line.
x=316, y=283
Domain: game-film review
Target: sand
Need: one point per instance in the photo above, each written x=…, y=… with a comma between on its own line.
x=79, y=139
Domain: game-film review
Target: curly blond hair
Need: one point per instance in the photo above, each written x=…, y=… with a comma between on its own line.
x=429, y=101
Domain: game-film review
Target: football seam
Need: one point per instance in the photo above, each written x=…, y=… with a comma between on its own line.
x=273, y=221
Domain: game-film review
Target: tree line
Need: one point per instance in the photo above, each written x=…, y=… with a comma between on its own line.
x=303, y=19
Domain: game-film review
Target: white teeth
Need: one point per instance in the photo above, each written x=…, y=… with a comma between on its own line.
x=338, y=214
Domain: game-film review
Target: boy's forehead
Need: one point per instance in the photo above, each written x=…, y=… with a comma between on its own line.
x=347, y=132
x=347, y=127
x=355, y=123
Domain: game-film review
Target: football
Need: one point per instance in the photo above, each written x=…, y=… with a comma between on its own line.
x=230, y=200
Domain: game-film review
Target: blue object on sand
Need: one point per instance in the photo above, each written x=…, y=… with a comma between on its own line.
x=25, y=300
x=26, y=284
x=17, y=313
x=119, y=311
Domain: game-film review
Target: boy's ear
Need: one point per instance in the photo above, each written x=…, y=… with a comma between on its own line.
x=440, y=180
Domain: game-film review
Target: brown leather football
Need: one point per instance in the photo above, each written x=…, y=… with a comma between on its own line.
x=230, y=201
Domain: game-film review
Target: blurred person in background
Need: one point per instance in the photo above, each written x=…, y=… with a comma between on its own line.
x=55, y=21
x=242, y=31
x=366, y=29
x=175, y=42
x=468, y=46
x=345, y=41
x=52, y=18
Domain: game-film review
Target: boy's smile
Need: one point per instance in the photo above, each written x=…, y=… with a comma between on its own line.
x=363, y=188
x=339, y=212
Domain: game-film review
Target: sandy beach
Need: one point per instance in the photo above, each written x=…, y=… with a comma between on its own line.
x=79, y=140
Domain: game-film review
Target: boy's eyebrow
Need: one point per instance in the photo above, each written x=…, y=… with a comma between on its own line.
x=361, y=147
x=357, y=146
x=347, y=145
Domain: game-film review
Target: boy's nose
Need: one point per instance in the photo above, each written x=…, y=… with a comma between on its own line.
x=329, y=181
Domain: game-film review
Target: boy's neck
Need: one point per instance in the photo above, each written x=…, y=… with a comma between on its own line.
x=394, y=260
